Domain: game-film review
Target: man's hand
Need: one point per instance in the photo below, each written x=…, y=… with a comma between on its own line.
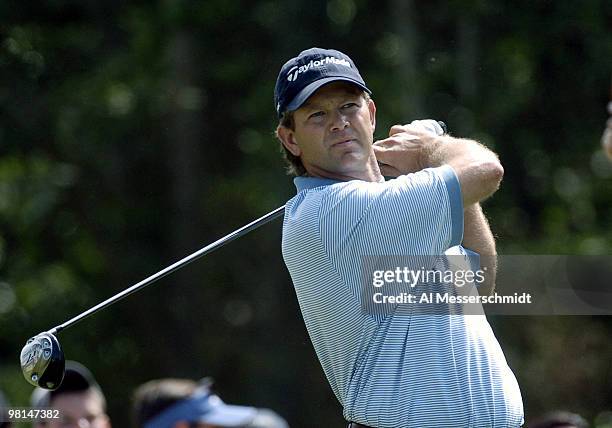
x=410, y=148
x=402, y=152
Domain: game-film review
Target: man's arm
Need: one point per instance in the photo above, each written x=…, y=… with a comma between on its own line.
x=477, y=237
x=410, y=149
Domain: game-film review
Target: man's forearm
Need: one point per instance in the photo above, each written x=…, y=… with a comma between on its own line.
x=477, y=236
x=410, y=149
x=477, y=167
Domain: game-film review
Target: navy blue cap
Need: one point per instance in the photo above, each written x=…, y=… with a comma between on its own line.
x=301, y=76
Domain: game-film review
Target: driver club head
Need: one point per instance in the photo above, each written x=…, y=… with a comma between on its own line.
x=42, y=361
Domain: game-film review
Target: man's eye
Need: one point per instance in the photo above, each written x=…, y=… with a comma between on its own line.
x=349, y=105
x=316, y=114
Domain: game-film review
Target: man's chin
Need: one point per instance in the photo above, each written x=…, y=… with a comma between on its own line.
x=349, y=164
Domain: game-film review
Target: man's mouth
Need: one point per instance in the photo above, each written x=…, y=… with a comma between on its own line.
x=343, y=142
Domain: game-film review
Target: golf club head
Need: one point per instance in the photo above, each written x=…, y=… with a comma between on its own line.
x=42, y=361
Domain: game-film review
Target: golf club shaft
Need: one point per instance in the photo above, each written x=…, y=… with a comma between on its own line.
x=173, y=267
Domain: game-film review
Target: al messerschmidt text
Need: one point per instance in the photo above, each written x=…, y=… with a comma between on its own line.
x=447, y=298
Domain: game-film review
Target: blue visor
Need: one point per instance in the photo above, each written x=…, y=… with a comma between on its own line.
x=202, y=406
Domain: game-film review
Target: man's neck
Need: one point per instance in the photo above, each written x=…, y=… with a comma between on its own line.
x=371, y=172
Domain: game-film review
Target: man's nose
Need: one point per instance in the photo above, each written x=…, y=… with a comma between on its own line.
x=339, y=121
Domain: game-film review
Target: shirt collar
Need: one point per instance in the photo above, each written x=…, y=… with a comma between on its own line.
x=305, y=182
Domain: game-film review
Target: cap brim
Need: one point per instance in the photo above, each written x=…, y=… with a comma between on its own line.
x=310, y=89
x=229, y=416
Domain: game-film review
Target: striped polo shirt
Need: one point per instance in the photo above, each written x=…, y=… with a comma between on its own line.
x=396, y=369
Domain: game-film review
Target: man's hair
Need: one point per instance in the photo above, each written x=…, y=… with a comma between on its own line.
x=77, y=379
x=153, y=397
x=294, y=163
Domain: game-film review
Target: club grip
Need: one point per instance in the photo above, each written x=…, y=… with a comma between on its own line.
x=443, y=126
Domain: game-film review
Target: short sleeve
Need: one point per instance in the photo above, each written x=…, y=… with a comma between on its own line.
x=418, y=213
x=455, y=200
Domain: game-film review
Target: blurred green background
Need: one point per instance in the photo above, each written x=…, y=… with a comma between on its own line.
x=133, y=133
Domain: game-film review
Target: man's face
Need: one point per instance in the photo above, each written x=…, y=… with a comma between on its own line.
x=79, y=410
x=333, y=131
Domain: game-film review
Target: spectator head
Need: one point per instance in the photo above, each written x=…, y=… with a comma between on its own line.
x=560, y=419
x=79, y=401
x=182, y=403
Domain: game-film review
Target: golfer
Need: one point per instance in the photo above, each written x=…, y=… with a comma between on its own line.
x=395, y=370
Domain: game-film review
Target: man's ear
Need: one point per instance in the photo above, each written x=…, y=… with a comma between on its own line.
x=372, y=109
x=287, y=137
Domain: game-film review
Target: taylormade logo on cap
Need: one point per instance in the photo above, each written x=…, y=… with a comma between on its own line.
x=301, y=76
x=295, y=70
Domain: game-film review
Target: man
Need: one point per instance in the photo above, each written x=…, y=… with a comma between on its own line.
x=79, y=401
x=183, y=403
x=392, y=370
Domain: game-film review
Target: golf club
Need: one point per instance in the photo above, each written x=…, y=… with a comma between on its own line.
x=42, y=359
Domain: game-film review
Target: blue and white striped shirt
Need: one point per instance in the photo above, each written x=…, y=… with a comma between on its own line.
x=395, y=370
